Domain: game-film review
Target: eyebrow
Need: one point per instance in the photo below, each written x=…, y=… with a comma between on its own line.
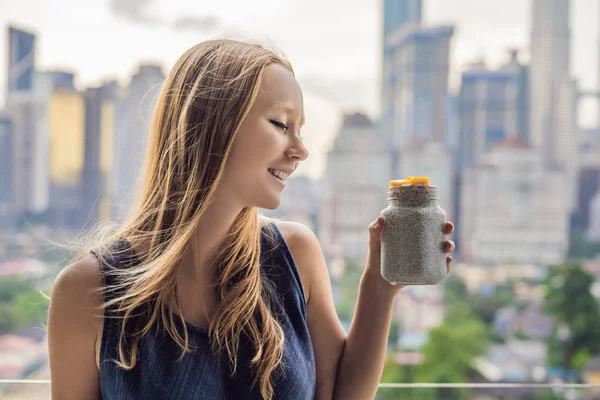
x=289, y=109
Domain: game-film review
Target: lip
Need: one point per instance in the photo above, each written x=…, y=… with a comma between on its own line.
x=276, y=178
x=286, y=170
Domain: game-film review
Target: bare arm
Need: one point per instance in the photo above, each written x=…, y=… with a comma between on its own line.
x=73, y=325
x=348, y=366
x=362, y=360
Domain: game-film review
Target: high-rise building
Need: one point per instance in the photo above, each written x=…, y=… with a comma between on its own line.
x=62, y=80
x=593, y=232
x=415, y=96
x=26, y=110
x=21, y=60
x=6, y=173
x=133, y=115
x=397, y=13
x=513, y=209
x=551, y=89
x=523, y=101
x=30, y=153
x=588, y=186
x=99, y=149
x=489, y=111
x=354, y=188
x=65, y=130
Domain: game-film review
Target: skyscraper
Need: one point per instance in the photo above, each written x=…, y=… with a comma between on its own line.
x=397, y=13
x=354, y=187
x=593, y=232
x=21, y=60
x=588, y=186
x=30, y=153
x=6, y=173
x=65, y=120
x=99, y=148
x=523, y=101
x=549, y=80
x=415, y=96
x=488, y=110
x=62, y=79
x=513, y=210
x=133, y=115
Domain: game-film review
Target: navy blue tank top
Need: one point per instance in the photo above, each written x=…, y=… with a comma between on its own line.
x=159, y=374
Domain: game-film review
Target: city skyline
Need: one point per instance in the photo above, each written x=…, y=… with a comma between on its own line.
x=331, y=84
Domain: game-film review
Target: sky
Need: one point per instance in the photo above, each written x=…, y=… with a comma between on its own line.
x=333, y=44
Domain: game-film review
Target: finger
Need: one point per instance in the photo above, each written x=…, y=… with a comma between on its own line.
x=448, y=264
x=448, y=228
x=449, y=246
x=377, y=225
x=375, y=229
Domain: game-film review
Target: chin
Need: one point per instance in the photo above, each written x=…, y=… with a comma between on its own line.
x=270, y=204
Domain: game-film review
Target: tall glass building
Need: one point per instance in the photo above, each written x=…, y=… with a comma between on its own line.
x=21, y=60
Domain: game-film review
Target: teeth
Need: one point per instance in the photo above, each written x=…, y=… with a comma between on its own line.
x=280, y=174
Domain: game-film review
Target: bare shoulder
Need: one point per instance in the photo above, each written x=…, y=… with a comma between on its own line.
x=306, y=250
x=296, y=234
x=79, y=282
x=74, y=319
x=77, y=298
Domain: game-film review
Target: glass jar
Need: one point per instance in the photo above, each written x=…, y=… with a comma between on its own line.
x=412, y=247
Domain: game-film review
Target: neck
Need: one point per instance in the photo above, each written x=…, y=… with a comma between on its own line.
x=210, y=234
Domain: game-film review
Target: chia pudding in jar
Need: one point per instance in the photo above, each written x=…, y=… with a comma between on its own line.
x=413, y=235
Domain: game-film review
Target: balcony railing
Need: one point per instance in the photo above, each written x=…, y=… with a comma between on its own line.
x=18, y=389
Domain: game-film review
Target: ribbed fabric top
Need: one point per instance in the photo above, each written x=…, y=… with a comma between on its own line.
x=159, y=374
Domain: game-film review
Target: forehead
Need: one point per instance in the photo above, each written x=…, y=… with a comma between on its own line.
x=279, y=91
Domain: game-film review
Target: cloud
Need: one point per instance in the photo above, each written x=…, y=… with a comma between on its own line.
x=136, y=11
x=192, y=23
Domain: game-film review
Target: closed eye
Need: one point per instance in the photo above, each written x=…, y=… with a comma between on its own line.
x=278, y=124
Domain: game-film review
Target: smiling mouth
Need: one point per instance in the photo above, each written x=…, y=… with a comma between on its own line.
x=282, y=176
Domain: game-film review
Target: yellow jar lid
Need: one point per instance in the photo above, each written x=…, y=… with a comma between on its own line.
x=411, y=180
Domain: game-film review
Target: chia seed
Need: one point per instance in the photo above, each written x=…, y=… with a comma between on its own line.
x=413, y=236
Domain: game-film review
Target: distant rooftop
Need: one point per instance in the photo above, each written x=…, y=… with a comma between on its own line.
x=357, y=120
x=414, y=32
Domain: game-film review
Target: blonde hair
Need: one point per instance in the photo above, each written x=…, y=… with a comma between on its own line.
x=205, y=98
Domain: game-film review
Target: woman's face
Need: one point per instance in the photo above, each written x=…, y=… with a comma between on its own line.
x=268, y=146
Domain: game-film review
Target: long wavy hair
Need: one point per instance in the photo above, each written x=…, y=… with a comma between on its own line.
x=205, y=99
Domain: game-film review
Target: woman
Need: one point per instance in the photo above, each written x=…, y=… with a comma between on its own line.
x=196, y=296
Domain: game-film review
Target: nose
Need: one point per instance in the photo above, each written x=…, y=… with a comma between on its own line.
x=297, y=150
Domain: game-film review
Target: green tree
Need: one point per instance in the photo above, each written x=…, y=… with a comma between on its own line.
x=486, y=307
x=394, y=334
x=21, y=304
x=450, y=350
x=568, y=299
x=344, y=310
x=547, y=394
x=581, y=248
x=11, y=286
x=348, y=285
x=455, y=290
x=395, y=373
x=8, y=319
x=31, y=307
